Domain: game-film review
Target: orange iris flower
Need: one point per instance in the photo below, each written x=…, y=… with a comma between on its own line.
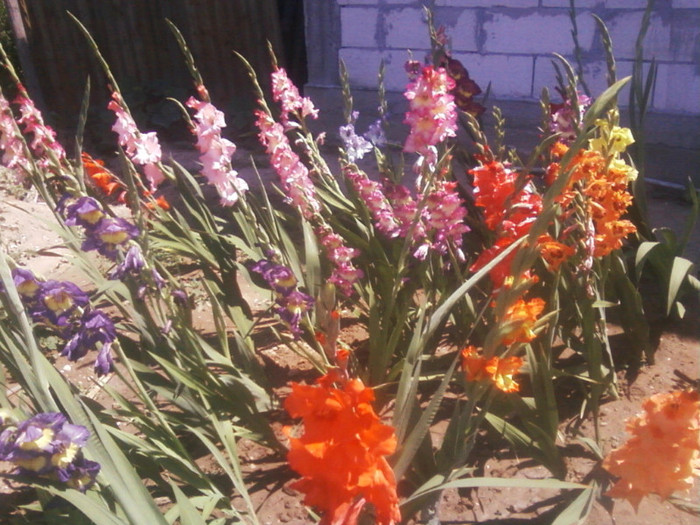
x=663, y=454
x=341, y=455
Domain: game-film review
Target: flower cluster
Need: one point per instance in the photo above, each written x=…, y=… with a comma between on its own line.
x=43, y=144
x=663, y=454
x=46, y=446
x=216, y=151
x=64, y=307
x=142, y=148
x=287, y=95
x=11, y=142
x=356, y=146
x=564, y=118
x=602, y=178
x=440, y=225
x=295, y=179
x=432, y=113
x=465, y=88
x=498, y=370
x=341, y=455
x=344, y=274
x=105, y=180
x=290, y=303
x=106, y=235
x=293, y=175
x=510, y=206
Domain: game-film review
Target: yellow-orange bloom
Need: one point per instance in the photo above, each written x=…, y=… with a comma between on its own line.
x=342, y=454
x=498, y=370
x=553, y=252
x=522, y=316
x=663, y=453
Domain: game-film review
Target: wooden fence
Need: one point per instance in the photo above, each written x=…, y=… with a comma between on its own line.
x=142, y=52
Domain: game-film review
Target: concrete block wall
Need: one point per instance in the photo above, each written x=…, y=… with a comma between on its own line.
x=509, y=43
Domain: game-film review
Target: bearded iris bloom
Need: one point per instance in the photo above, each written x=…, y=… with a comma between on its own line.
x=47, y=446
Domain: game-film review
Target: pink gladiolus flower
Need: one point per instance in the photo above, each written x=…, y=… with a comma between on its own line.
x=444, y=218
x=287, y=95
x=142, y=148
x=44, y=138
x=432, y=112
x=10, y=139
x=379, y=206
x=216, y=152
x=345, y=274
x=293, y=175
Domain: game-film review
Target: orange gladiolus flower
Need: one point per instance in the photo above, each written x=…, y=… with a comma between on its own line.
x=553, y=252
x=342, y=454
x=523, y=316
x=104, y=179
x=499, y=370
x=663, y=454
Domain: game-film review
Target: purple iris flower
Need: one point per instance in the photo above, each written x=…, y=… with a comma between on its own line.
x=292, y=307
x=109, y=233
x=58, y=301
x=280, y=278
x=80, y=474
x=48, y=446
x=95, y=327
x=26, y=283
x=132, y=264
x=104, y=362
x=85, y=212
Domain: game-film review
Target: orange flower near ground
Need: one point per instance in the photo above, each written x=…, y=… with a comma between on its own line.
x=499, y=370
x=522, y=316
x=341, y=455
x=663, y=454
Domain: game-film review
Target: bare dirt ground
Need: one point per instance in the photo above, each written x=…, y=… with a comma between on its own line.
x=26, y=234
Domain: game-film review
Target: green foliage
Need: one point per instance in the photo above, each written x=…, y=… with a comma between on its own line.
x=192, y=394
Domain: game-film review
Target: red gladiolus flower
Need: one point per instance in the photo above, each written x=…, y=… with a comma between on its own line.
x=341, y=455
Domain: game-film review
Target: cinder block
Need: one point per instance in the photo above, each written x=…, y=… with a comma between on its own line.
x=363, y=67
x=678, y=88
x=594, y=73
x=624, y=28
x=535, y=33
x=685, y=35
x=462, y=32
x=510, y=76
x=566, y=3
x=358, y=26
x=406, y=29
x=487, y=3
x=625, y=4
x=686, y=4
